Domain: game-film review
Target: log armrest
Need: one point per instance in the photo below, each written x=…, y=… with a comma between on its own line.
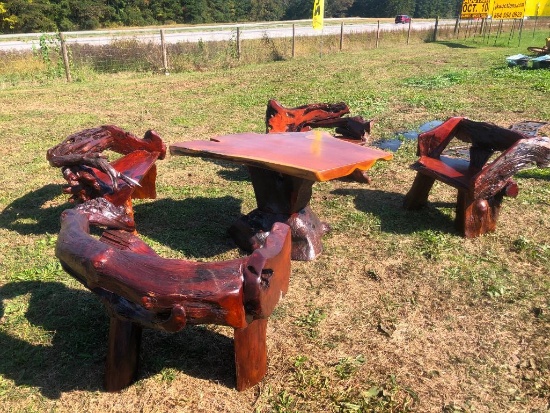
x=433, y=142
x=139, y=166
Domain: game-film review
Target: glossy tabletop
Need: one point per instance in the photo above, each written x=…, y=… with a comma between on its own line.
x=313, y=155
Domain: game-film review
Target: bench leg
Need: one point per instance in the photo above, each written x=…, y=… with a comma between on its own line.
x=418, y=194
x=476, y=217
x=122, y=354
x=250, y=354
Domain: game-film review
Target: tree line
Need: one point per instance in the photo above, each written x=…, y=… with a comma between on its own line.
x=36, y=16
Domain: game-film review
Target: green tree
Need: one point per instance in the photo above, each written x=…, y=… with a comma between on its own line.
x=31, y=16
x=7, y=22
x=299, y=9
x=267, y=10
x=195, y=11
x=337, y=8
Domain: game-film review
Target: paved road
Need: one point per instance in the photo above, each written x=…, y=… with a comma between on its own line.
x=22, y=42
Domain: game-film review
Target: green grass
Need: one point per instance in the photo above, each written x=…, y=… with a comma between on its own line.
x=398, y=314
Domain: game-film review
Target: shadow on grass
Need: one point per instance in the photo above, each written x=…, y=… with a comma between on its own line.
x=74, y=358
x=454, y=45
x=28, y=215
x=236, y=173
x=195, y=226
x=394, y=218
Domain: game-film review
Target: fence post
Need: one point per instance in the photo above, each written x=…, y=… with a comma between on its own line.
x=65, y=54
x=239, y=43
x=341, y=36
x=520, y=32
x=378, y=34
x=164, y=54
x=435, y=29
x=489, y=30
x=409, y=31
x=293, y=40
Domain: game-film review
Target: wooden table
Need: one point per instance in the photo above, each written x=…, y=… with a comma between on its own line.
x=283, y=168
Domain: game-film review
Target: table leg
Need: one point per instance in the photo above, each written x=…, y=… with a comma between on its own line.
x=281, y=198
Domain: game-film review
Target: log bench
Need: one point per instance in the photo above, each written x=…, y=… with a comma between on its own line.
x=482, y=180
x=143, y=290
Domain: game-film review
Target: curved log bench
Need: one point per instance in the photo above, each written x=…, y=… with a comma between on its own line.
x=481, y=184
x=141, y=289
x=90, y=175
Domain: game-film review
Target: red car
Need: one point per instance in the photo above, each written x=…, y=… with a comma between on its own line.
x=402, y=18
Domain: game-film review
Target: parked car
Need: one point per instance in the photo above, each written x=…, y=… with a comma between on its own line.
x=402, y=18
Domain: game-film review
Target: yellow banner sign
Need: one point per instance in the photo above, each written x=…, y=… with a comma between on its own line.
x=537, y=8
x=508, y=9
x=475, y=9
x=318, y=14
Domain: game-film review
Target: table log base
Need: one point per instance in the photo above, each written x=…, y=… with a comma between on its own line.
x=281, y=198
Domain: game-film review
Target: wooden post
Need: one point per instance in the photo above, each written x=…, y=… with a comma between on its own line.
x=341, y=36
x=164, y=55
x=536, y=20
x=489, y=30
x=250, y=354
x=65, y=54
x=499, y=29
x=378, y=34
x=122, y=355
x=512, y=31
x=293, y=40
x=520, y=31
x=239, y=43
x=435, y=29
x=457, y=25
x=409, y=31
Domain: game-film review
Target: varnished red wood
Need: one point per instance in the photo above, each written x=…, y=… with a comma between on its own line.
x=481, y=184
x=353, y=129
x=142, y=289
x=90, y=176
x=250, y=353
x=122, y=363
x=302, y=118
x=283, y=168
x=313, y=155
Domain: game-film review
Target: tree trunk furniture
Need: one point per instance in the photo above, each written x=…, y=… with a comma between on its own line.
x=90, y=175
x=481, y=185
x=143, y=290
x=283, y=168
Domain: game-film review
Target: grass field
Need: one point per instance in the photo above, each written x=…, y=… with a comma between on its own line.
x=398, y=314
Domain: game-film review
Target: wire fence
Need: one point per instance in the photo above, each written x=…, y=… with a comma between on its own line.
x=168, y=50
